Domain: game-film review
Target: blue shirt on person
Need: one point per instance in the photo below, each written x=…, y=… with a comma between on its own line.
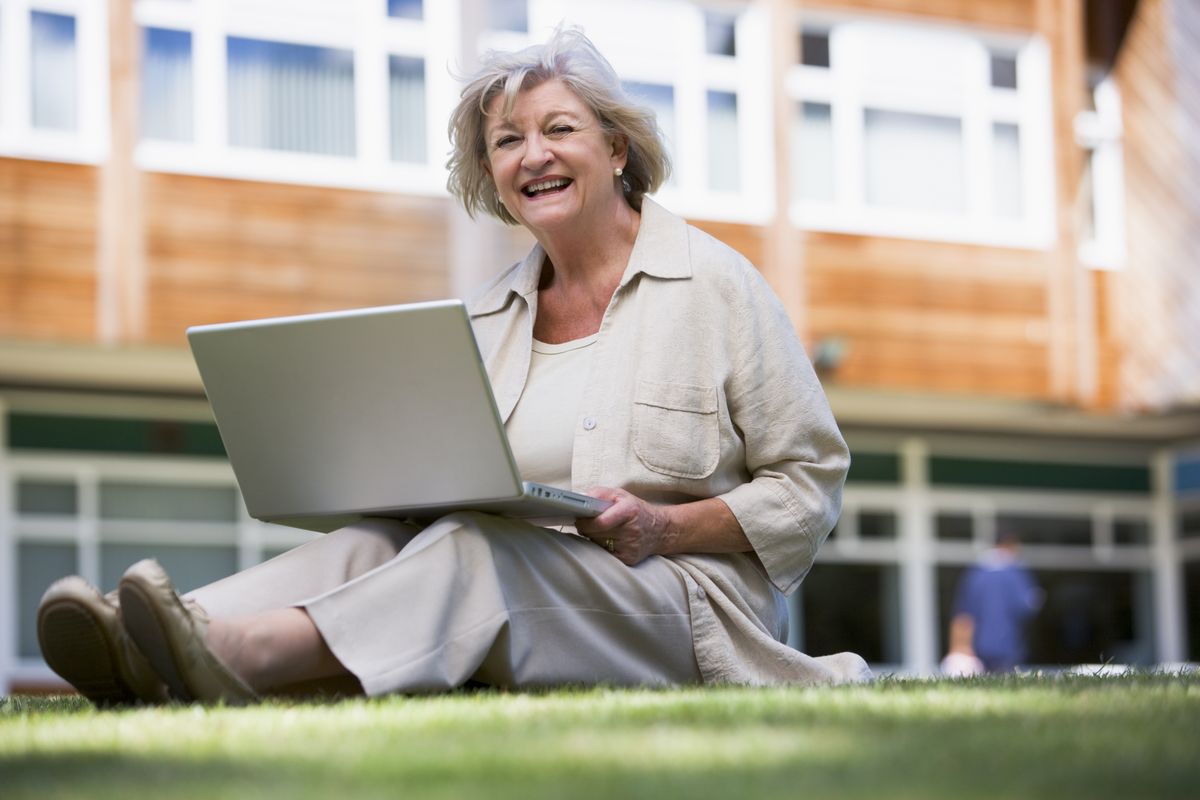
x=1000, y=596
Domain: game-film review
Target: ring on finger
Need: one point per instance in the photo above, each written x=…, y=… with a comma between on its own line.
x=610, y=545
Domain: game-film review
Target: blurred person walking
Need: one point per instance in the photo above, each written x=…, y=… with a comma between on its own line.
x=994, y=602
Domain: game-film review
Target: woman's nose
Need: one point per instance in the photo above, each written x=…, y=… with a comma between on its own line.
x=536, y=154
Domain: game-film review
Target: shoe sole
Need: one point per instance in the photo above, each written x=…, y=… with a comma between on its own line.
x=70, y=637
x=141, y=615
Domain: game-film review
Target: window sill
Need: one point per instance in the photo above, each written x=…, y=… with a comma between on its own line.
x=923, y=227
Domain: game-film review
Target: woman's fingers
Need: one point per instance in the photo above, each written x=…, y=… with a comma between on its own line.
x=625, y=528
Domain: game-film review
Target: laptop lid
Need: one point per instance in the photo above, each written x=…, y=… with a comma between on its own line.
x=330, y=417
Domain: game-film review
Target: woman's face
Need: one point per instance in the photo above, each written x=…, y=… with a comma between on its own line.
x=551, y=161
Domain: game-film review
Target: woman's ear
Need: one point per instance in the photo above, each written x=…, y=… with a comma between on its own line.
x=620, y=150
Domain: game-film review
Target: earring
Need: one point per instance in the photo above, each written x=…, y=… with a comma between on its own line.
x=618, y=172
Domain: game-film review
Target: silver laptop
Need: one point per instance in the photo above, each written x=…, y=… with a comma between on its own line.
x=328, y=418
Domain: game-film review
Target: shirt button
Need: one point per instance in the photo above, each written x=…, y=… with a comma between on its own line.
x=700, y=593
x=589, y=423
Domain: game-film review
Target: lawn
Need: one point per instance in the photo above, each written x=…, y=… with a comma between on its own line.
x=1132, y=736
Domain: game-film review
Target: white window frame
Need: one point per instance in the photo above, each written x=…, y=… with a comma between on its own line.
x=918, y=553
x=86, y=531
x=89, y=143
x=1029, y=107
x=1100, y=134
x=747, y=75
x=364, y=29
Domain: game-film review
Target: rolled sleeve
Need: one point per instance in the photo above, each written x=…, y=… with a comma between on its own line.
x=795, y=453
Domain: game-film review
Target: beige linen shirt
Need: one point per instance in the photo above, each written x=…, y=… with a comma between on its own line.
x=699, y=388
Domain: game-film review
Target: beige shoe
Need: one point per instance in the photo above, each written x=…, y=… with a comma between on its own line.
x=171, y=633
x=82, y=640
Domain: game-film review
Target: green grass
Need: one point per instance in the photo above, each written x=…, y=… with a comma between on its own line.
x=1129, y=737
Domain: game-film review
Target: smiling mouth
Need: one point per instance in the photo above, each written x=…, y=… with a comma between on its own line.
x=545, y=187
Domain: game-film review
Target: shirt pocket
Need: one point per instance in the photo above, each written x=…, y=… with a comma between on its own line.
x=675, y=428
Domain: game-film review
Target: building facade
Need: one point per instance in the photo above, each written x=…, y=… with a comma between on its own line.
x=982, y=217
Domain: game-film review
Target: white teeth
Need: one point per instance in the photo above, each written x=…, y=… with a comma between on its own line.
x=546, y=185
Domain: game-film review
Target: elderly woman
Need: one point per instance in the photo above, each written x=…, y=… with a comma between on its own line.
x=632, y=357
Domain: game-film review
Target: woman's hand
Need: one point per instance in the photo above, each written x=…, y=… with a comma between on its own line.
x=631, y=529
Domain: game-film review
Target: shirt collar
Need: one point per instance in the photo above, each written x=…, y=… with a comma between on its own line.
x=660, y=250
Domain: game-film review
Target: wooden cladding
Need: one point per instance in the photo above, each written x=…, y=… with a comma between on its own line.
x=1012, y=14
x=1154, y=302
x=221, y=250
x=930, y=317
x=48, y=230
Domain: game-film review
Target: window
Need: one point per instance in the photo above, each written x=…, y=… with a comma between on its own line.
x=660, y=99
x=53, y=80
x=1046, y=529
x=53, y=70
x=708, y=83
x=407, y=108
x=167, y=84
x=954, y=527
x=719, y=30
x=921, y=131
x=298, y=92
x=508, y=15
x=94, y=514
x=812, y=152
x=46, y=498
x=291, y=97
x=914, y=161
x=38, y=565
x=1088, y=616
x=405, y=9
x=854, y=607
x=814, y=48
x=723, y=148
x=1004, y=70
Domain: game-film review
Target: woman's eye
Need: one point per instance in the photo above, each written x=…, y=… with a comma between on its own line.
x=561, y=130
x=505, y=141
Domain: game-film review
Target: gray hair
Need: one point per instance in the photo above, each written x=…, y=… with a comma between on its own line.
x=568, y=56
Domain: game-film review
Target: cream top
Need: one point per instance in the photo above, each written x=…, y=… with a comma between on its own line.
x=541, y=429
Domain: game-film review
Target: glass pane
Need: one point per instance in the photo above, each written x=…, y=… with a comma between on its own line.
x=53, y=71
x=408, y=9
x=1004, y=71
x=719, y=33
x=1189, y=524
x=38, y=566
x=46, y=497
x=167, y=85
x=407, y=105
x=190, y=566
x=812, y=152
x=291, y=97
x=1131, y=531
x=955, y=527
x=508, y=15
x=168, y=502
x=1088, y=617
x=1006, y=170
x=1033, y=529
x=877, y=525
x=914, y=161
x=853, y=607
x=814, y=48
x=723, y=150
x=660, y=99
